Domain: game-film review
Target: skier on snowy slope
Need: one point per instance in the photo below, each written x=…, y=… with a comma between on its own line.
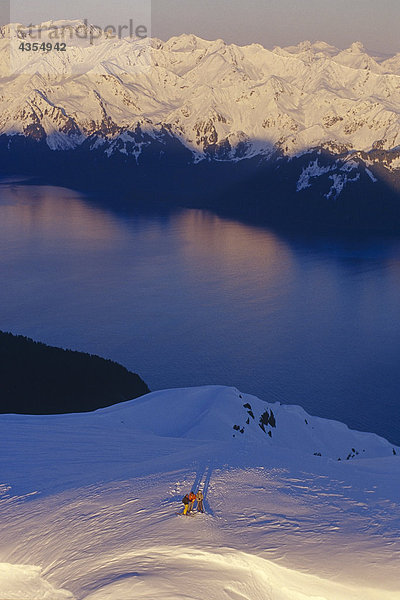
x=192, y=498
x=199, y=498
x=186, y=502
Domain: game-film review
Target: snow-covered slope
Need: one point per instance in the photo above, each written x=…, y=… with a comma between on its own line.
x=221, y=413
x=88, y=503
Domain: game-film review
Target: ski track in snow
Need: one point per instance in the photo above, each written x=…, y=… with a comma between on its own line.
x=88, y=511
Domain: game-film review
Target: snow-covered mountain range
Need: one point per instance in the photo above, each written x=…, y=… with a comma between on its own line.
x=217, y=99
x=189, y=100
x=89, y=503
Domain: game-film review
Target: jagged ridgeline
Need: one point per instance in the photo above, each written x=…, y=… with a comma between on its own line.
x=40, y=379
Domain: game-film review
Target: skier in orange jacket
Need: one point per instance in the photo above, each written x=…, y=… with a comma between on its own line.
x=192, y=498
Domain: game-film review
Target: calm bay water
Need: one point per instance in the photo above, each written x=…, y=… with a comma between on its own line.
x=188, y=298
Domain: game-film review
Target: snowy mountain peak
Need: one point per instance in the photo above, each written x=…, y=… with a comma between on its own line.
x=357, y=47
x=224, y=414
x=186, y=42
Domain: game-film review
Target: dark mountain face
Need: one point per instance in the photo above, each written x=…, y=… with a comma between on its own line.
x=319, y=189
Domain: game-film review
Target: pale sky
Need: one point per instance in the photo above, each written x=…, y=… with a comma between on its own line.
x=269, y=22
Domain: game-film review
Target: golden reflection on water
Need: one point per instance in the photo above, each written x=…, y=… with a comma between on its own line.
x=50, y=212
x=210, y=242
x=232, y=246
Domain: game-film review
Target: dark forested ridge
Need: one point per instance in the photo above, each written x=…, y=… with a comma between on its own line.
x=40, y=379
